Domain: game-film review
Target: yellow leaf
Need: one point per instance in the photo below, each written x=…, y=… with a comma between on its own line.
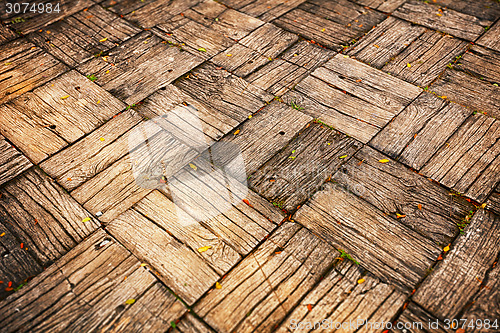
x=250, y=117
x=408, y=65
x=343, y=156
x=483, y=205
x=236, y=132
x=130, y=301
x=399, y=216
x=98, y=102
x=383, y=160
x=64, y=97
x=229, y=55
x=142, y=265
x=439, y=14
x=104, y=39
x=3, y=234
x=102, y=139
x=446, y=249
x=323, y=29
x=376, y=46
x=86, y=219
x=218, y=285
x=360, y=281
x=204, y=248
x=194, y=167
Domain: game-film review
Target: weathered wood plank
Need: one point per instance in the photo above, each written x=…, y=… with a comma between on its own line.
x=298, y=170
x=240, y=60
x=386, y=41
x=40, y=222
x=94, y=153
x=307, y=55
x=266, y=133
x=236, y=25
x=12, y=162
x=339, y=298
x=191, y=324
x=223, y=92
x=311, y=27
x=470, y=160
x=157, y=12
x=466, y=90
x=427, y=58
x=424, y=206
x=138, y=67
x=25, y=67
x=123, y=7
x=443, y=19
x=386, y=6
x=491, y=38
x=163, y=213
x=58, y=113
x=264, y=287
x=376, y=87
x=188, y=275
x=482, y=63
x=392, y=251
x=6, y=34
x=483, y=10
x=88, y=290
x=268, y=10
x=418, y=320
x=30, y=21
x=79, y=37
x=493, y=202
x=459, y=276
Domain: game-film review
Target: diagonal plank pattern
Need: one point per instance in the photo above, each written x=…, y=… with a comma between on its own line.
x=248, y=165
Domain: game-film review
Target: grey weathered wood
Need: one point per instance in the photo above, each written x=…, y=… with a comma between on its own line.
x=339, y=298
x=163, y=212
x=240, y=60
x=224, y=92
x=123, y=7
x=139, y=66
x=307, y=55
x=278, y=76
x=392, y=188
x=79, y=37
x=440, y=18
x=24, y=67
x=268, y=283
x=482, y=63
x=266, y=133
x=87, y=290
x=467, y=90
x=58, y=113
x=428, y=56
x=392, y=251
x=12, y=162
x=269, y=40
x=491, y=38
x=191, y=324
x=419, y=321
x=181, y=269
x=433, y=135
x=39, y=214
x=298, y=170
x=6, y=34
x=268, y=10
x=34, y=21
x=493, y=202
x=483, y=10
x=382, y=5
x=236, y=25
x=157, y=12
x=86, y=158
x=469, y=161
x=459, y=276
x=387, y=40
x=311, y=27
x=376, y=87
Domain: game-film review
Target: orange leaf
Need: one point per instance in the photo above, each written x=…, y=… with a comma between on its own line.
x=309, y=307
x=399, y=215
x=420, y=206
x=247, y=202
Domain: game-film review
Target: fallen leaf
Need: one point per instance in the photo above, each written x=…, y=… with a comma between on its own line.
x=360, y=281
x=204, y=248
x=383, y=160
x=236, y=132
x=194, y=167
x=2, y=234
x=483, y=205
x=142, y=265
x=408, y=65
x=309, y=307
x=102, y=139
x=420, y=206
x=376, y=46
x=64, y=97
x=130, y=301
x=399, y=215
x=201, y=49
x=446, y=249
x=343, y=156
x=218, y=285
x=86, y=219
x=229, y=55
x=246, y=201
x=103, y=40
x=440, y=257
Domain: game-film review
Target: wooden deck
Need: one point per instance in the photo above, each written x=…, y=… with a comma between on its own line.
x=370, y=139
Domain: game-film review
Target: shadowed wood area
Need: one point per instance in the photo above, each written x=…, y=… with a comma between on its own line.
x=222, y=166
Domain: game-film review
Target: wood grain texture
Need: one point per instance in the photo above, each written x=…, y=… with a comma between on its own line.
x=482, y=63
x=338, y=298
x=392, y=251
x=79, y=37
x=427, y=56
x=87, y=289
x=40, y=215
x=307, y=55
x=138, y=67
x=493, y=203
x=470, y=160
x=190, y=324
x=240, y=60
x=440, y=18
x=25, y=67
x=6, y=34
x=34, y=21
x=386, y=41
x=267, y=10
x=290, y=177
x=483, y=10
x=267, y=284
x=223, y=92
x=425, y=206
x=58, y=113
x=181, y=269
x=157, y=12
x=386, y=6
x=468, y=91
x=418, y=320
x=491, y=38
x=12, y=162
x=473, y=253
